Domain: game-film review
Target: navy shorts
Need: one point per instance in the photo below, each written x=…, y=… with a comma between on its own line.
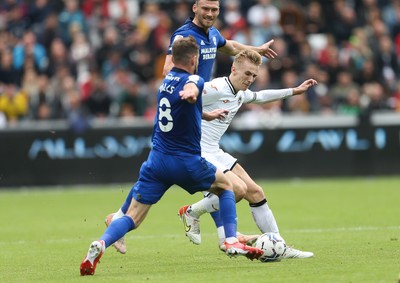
x=191, y=172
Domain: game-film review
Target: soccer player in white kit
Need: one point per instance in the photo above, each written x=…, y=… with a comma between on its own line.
x=230, y=93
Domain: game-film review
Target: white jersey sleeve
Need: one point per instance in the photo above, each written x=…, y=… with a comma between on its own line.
x=268, y=95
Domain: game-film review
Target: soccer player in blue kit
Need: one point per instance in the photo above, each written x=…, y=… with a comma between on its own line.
x=210, y=39
x=175, y=158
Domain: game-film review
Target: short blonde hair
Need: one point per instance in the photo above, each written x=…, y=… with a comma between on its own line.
x=249, y=55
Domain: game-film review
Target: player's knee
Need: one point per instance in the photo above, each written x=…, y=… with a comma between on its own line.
x=240, y=190
x=255, y=193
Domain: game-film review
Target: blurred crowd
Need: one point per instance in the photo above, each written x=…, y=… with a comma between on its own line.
x=100, y=59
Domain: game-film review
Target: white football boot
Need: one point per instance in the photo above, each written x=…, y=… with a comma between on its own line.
x=89, y=263
x=191, y=225
x=293, y=253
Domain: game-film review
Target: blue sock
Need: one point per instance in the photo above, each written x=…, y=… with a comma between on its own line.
x=117, y=229
x=227, y=206
x=127, y=203
x=216, y=215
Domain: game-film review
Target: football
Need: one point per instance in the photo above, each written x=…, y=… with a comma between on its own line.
x=272, y=244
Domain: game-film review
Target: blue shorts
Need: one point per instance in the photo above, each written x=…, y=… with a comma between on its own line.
x=191, y=172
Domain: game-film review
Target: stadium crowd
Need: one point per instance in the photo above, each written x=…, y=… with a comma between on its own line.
x=96, y=59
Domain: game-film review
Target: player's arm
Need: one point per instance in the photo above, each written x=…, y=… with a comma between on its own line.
x=168, y=65
x=233, y=47
x=215, y=114
x=269, y=95
x=190, y=92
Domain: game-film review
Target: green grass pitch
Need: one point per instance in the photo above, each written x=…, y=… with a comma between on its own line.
x=352, y=225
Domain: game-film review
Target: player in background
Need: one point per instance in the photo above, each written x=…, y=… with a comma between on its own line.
x=175, y=158
x=210, y=39
x=229, y=93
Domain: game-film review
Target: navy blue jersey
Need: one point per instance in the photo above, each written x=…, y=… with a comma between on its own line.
x=209, y=43
x=177, y=128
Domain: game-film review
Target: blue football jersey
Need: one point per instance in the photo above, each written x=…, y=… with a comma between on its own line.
x=177, y=128
x=209, y=43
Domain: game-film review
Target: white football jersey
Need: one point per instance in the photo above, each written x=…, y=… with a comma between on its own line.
x=220, y=94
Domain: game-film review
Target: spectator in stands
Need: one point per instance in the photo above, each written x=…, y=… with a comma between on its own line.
x=15, y=15
x=315, y=21
x=13, y=103
x=344, y=85
x=8, y=74
x=386, y=62
x=49, y=32
x=59, y=57
x=377, y=96
x=55, y=92
x=38, y=12
x=71, y=18
x=76, y=112
x=264, y=19
x=351, y=105
x=29, y=48
x=111, y=41
x=98, y=101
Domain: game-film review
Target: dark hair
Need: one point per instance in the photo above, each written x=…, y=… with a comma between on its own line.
x=184, y=48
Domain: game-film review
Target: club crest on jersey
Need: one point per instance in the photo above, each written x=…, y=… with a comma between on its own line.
x=239, y=100
x=214, y=40
x=225, y=101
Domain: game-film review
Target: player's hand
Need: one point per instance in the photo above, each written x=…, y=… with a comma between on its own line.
x=188, y=95
x=267, y=51
x=304, y=86
x=215, y=114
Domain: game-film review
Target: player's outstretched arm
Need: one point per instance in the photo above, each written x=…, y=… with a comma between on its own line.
x=189, y=93
x=233, y=47
x=269, y=95
x=304, y=86
x=215, y=114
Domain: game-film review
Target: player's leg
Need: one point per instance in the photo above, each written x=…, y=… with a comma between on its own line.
x=116, y=230
x=223, y=188
x=120, y=244
x=203, y=174
x=190, y=214
x=262, y=214
x=210, y=202
x=147, y=191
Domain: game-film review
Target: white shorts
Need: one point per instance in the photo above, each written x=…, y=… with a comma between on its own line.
x=222, y=160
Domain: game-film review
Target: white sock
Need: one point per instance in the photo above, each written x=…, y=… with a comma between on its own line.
x=209, y=203
x=231, y=240
x=221, y=234
x=117, y=215
x=264, y=218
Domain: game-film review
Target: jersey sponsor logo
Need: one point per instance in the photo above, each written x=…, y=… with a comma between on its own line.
x=208, y=53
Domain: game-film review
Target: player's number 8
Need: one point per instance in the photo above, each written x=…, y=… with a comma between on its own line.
x=165, y=113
